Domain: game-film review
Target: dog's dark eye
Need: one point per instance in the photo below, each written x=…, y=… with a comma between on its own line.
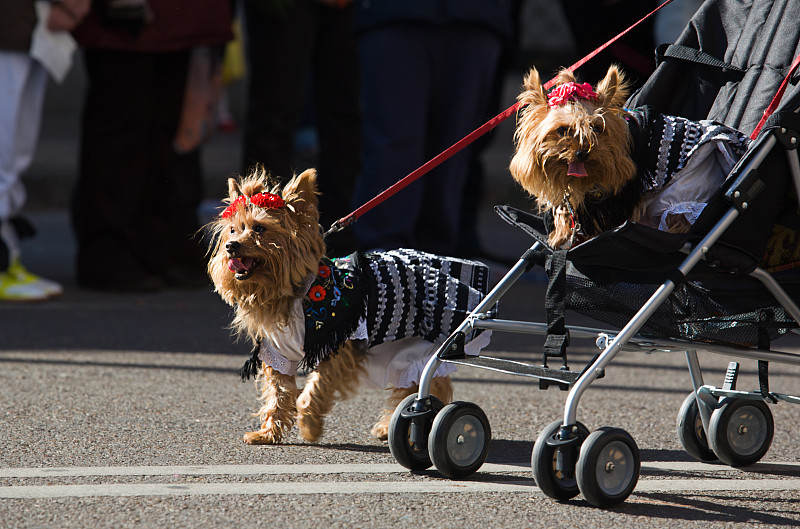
x=258, y=228
x=597, y=128
x=562, y=131
x=233, y=230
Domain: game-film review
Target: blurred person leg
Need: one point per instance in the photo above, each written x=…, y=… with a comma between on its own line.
x=131, y=112
x=395, y=86
x=23, y=83
x=337, y=117
x=466, y=60
x=317, y=45
x=279, y=48
x=178, y=189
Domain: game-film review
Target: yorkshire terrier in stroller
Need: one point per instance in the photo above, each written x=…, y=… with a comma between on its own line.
x=592, y=164
x=375, y=316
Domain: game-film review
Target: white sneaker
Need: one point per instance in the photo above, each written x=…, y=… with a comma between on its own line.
x=12, y=289
x=51, y=288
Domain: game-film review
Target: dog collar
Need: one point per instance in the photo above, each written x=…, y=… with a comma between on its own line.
x=262, y=200
x=575, y=226
x=567, y=92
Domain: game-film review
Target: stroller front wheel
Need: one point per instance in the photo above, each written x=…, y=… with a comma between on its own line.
x=690, y=431
x=554, y=483
x=608, y=467
x=408, y=446
x=459, y=440
x=741, y=431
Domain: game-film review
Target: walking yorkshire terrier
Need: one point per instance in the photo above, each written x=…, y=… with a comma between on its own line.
x=592, y=164
x=375, y=316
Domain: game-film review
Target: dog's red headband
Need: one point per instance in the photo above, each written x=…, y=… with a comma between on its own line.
x=262, y=200
x=563, y=94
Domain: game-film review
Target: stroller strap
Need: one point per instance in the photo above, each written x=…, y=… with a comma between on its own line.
x=557, y=338
x=686, y=53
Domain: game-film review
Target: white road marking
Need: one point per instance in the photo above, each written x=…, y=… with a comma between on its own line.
x=192, y=489
x=388, y=468
x=228, y=470
x=697, y=466
x=684, y=485
x=365, y=487
x=425, y=485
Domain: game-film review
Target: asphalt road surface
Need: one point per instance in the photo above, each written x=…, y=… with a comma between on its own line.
x=126, y=411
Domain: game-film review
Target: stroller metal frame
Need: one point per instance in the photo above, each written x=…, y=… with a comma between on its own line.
x=455, y=438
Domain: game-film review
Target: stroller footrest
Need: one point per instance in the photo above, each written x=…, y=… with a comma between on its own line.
x=517, y=368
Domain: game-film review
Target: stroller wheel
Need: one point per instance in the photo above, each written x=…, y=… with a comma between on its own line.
x=556, y=484
x=459, y=440
x=410, y=454
x=741, y=431
x=608, y=467
x=691, y=433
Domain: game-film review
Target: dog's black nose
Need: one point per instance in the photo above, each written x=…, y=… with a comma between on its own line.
x=581, y=156
x=232, y=246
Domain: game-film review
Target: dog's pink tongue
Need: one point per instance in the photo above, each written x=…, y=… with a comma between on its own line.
x=238, y=265
x=577, y=169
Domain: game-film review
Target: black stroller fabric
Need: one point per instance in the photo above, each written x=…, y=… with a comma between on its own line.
x=728, y=63
x=726, y=66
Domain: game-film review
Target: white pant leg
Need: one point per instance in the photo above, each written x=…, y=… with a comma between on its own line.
x=23, y=83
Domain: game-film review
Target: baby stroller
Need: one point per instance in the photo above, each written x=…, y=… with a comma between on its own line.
x=728, y=286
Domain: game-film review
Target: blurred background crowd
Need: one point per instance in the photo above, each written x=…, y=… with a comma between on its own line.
x=126, y=112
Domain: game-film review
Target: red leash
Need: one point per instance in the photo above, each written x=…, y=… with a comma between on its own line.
x=469, y=138
x=424, y=169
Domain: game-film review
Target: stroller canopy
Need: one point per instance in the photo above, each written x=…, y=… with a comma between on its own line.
x=728, y=64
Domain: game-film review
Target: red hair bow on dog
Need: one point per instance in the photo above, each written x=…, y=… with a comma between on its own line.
x=262, y=200
x=267, y=201
x=563, y=94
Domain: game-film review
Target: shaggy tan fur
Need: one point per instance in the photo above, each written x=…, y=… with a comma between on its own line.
x=263, y=300
x=336, y=378
x=284, y=246
x=277, y=414
x=548, y=139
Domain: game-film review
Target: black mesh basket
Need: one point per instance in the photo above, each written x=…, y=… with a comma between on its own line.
x=733, y=310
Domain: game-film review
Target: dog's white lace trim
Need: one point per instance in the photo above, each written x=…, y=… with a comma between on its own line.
x=397, y=364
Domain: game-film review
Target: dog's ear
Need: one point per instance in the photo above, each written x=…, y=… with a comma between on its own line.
x=565, y=76
x=533, y=92
x=233, y=188
x=613, y=89
x=301, y=190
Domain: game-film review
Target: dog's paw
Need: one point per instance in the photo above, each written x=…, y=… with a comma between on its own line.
x=271, y=433
x=381, y=430
x=263, y=437
x=310, y=427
